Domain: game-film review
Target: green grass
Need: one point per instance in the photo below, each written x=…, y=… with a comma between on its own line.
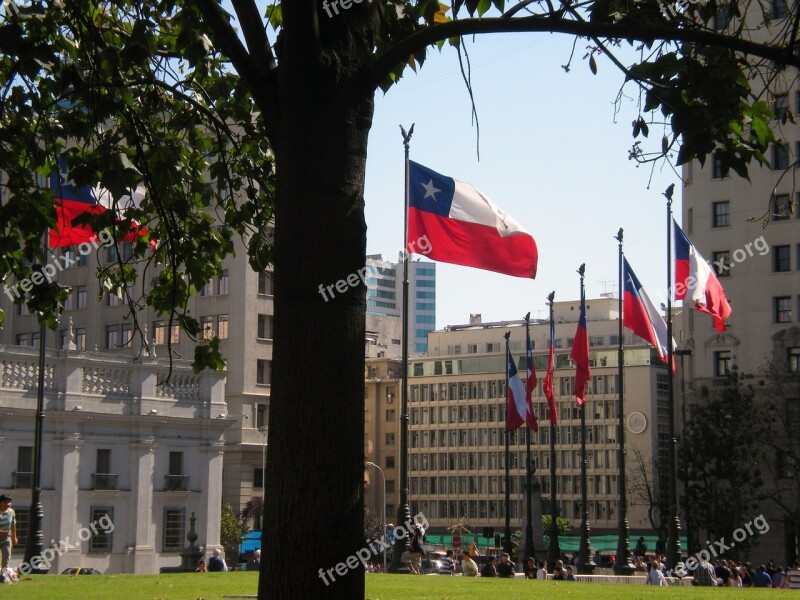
x=216, y=586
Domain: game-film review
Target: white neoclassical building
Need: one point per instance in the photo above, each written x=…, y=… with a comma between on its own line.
x=118, y=447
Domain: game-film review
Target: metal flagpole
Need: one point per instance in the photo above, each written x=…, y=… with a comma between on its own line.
x=587, y=565
x=530, y=548
x=507, y=529
x=622, y=565
x=674, y=524
x=554, y=552
x=403, y=509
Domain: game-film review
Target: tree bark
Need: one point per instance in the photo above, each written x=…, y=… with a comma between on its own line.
x=314, y=509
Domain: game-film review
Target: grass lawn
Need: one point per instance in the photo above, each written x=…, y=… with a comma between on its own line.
x=216, y=586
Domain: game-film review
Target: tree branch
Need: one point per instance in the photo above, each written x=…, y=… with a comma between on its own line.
x=254, y=32
x=385, y=63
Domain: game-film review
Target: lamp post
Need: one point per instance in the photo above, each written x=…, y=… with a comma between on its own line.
x=383, y=519
x=682, y=353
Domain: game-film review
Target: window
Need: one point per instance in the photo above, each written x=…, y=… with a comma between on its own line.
x=126, y=335
x=23, y=519
x=23, y=476
x=175, y=336
x=81, y=297
x=723, y=17
x=176, y=463
x=68, y=301
x=780, y=103
x=222, y=327
x=390, y=486
x=721, y=214
x=174, y=532
x=781, y=207
x=22, y=339
x=263, y=375
x=781, y=262
x=390, y=439
x=596, y=340
x=111, y=337
x=36, y=337
x=207, y=327
x=127, y=250
x=782, y=307
x=111, y=254
x=779, y=9
x=722, y=362
x=264, y=327
x=390, y=462
x=780, y=157
x=793, y=359
x=103, y=461
x=80, y=339
x=721, y=263
x=265, y=284
x=159, y=333
x=390, y=414
x=258, y=478
x=718, y=170
x=222, y=283
x=102, y=541
x=261, y=415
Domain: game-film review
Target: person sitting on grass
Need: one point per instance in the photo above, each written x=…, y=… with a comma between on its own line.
x=490, y=568
x=468, y=566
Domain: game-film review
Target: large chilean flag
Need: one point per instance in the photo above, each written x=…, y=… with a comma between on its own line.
x=695, y=279
x=71, y=202
x=641, y=316
x=464, y=227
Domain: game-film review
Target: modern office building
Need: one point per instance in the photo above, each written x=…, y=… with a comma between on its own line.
x=126, y=463
x=457, y=403
x=385, y=296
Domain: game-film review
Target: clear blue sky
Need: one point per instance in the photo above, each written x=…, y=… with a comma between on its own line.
x=552, y=154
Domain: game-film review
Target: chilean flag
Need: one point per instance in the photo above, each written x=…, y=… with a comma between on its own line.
x=70, y=203
x=580, y=354
x=640, y=316
x=547, y=386
x=695, y=279
x=515, y=410
x=464, y=227
x=530, y=385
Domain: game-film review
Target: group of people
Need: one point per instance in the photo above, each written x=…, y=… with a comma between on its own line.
x=217, y=564
x=504, y=567
x=729, y=573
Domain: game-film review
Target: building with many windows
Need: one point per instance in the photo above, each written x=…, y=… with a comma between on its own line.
x=385, y=296
x=457, y=402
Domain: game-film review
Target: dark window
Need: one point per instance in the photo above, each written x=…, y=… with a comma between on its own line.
x=780, y=157
x=780, y=103
x=782, y=309
x=264, y=327
x=781, y=259
x=779, y=9
x=793, y=359
x=722, y=263
x=263, y=375
x=102, y=517
x=781, y=207
x=261, y=415
x=174, y=527
x=258, y=478
x=721, y=214
x=265, y=284
x=718, y=171
x=390, y=462
x=103, y=462
x=722, y=362
x=176, y=463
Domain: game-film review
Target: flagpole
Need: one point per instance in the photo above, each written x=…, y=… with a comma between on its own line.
x=403, y=509
x=554, y=552
x=530, y=548
x=622, y=565
x=507, y=529
x=674, y=524
x=587, y=565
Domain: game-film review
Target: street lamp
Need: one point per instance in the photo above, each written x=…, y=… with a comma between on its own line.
x=383, y=520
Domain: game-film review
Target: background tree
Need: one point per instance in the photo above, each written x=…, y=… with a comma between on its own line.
x=645, y=489
x=723, y=456
x=230, y=535
x=253, y=509
x=183, y=98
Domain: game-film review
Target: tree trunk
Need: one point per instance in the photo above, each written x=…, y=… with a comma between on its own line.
x=314, y=508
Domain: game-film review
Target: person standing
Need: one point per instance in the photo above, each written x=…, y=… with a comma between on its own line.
x=254, y=564
x=8, y=530
x=216, y=562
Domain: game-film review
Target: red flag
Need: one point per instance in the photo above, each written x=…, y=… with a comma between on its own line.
x=548, y=378
x=580, y=354
x=530, y=385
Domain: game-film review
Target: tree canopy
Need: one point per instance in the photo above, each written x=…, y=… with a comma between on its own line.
x=219, y=112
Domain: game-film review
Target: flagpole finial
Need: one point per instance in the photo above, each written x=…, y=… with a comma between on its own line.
x=528, y=317
x=507, y=335
x=582, y=269
x=550, y=297
x=668, y=192
x=407, y=135
x=618, y=237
